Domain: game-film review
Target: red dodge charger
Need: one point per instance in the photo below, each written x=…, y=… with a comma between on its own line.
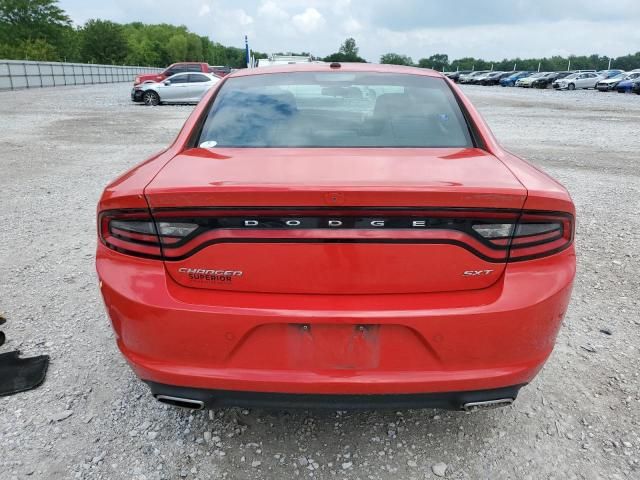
x=343, y=235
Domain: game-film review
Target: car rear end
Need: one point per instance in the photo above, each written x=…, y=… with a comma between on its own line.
x=264, y=264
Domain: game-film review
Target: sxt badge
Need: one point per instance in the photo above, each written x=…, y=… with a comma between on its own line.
x=476, y=273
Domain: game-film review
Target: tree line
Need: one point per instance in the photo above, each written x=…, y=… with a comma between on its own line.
x=41, y=30
x=441, y=62
x=348, y=52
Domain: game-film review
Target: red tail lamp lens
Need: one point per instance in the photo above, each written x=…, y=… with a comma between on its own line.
x=540, y=235
x=136, y=233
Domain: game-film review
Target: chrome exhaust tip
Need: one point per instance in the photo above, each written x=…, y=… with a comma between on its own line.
x=188, y=403
x=487, y=404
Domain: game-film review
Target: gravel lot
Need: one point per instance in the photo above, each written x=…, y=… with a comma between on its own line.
x=93, y=419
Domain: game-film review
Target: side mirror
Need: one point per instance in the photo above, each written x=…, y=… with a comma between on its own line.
x=167, y=82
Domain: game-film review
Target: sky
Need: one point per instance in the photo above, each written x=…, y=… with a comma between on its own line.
x=488, y=29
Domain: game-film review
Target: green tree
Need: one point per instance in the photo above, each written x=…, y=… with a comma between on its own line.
x=194, y=48
x=470, y=63
x=31, y=19
x=439, y=61
x=33, y=27
x=38, y=49
x=103, y=41
x=142, y=51
x=348, y=52
x=177, y=48
x=349, y=48
x=68, y=47
x=29, y=50
x=396, y=59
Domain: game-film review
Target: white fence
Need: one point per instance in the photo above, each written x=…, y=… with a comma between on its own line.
x=16, y=74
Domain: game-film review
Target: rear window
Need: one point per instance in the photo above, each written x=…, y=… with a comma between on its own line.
x=335, y=109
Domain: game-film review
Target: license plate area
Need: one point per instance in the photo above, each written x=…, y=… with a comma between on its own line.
x=334, y=347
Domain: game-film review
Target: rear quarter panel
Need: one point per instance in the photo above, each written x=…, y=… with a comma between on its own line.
x=543, y=192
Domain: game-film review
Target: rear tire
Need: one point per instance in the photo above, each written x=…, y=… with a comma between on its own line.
x=571, y=86
x=151, y=98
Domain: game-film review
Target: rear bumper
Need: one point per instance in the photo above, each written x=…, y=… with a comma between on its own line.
x=401, y=344
x=226, y=398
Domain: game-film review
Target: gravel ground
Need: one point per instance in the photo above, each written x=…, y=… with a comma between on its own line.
x=93, y=419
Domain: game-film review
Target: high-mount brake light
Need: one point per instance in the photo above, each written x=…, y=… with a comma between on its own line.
x=134, y=232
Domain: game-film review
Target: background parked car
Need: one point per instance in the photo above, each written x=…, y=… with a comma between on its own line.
x=455, y=76
x=527, y=81
x=471, y=76
x=577, y=80
x=625, y=86
x=179, y=88
x=220, y=70
x=495, y=79
x=511, y=80
x=548, y=78
x=609, y=73
x=636, y=86
x=480, y=78
x=172, y=70
x=607, y=84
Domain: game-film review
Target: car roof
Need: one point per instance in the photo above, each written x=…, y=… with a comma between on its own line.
x=344, y=67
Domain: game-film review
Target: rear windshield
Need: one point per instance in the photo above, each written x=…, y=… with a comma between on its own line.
x=335, y=109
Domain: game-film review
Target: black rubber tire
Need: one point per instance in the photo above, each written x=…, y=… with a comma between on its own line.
x=151, y=98
x=571, y=86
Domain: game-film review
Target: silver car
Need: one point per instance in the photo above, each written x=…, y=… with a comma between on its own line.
x=179, y=88
x=472, y=76
x=577, y=80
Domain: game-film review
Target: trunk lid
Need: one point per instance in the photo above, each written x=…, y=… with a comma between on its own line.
x=335, y=221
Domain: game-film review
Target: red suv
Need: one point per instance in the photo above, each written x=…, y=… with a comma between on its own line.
x=336, y=235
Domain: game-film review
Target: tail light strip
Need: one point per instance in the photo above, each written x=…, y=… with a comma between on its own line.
x=493, y=235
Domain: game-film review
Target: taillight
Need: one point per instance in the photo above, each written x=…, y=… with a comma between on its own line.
x=533, y=235
x=541, y=234
x=134, y=232
x=493, y=235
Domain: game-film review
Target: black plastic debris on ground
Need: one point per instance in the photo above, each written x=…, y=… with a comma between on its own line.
x=20, y=374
